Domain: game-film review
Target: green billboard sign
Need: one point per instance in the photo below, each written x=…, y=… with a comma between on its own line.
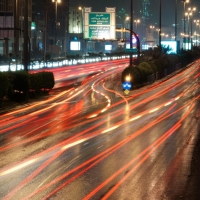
x=134, y=50
x=33, y=26
x=99, y=18
x=99, y=32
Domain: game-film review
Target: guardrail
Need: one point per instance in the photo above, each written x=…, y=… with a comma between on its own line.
x=59, y=63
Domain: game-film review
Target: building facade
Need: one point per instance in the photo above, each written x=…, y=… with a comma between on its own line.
x=12, y=25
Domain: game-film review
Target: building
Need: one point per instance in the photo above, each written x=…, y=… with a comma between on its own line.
x=51, y=30
x=12, y=25
x=145, y=16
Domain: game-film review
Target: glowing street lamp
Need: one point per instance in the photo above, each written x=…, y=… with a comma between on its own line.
x=125, y=21
x=197, y=24
x=136, y=22
x=158, y=30
x=188, y=14
x=191, y=10
x=184, y=1
x=128, y=78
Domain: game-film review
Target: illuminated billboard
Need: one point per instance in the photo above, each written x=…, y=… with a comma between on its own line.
x=99, y=18
x=99, y=25
x=75, y=46
x=172, y=45
x=108, y=47
x=99, y=32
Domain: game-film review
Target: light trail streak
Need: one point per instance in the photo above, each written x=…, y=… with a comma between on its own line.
x=17, y=125
x=151, y=149
x=99, y=157
x=115, y=92
x=111, y=150
x=95, y=115
x=37, y=104
x=18, y=167
x=51, y=99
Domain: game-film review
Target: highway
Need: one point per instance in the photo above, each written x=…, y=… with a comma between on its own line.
x=94, y=142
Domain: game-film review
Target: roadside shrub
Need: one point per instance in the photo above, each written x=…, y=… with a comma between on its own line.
x=158, y=64
x=47, y=80
x=21, y=81
x=4, y=84
x=135, y=73
x=41, y=82
x=172, y=60
x=21, y=85
x=163, y=61
x=153, y=66
x=146, y=68
x=36, y=81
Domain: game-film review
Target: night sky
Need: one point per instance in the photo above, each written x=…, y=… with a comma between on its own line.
x=168, y=8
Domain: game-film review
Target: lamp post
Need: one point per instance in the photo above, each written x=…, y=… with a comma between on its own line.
x=56, y=8
x=175, y=36
x=124, y=29
x=166, y=36
x=26, y=52
x=136, y=22
x=197, y=24
x=81, y=23
x=131, y=30
x=191, y=9
x=126, y=19
x=16, y=27
x=184, y=1
x=152, y=31
x=197, y=33
x=158, y=30
x=160, y=19
x=188, y=14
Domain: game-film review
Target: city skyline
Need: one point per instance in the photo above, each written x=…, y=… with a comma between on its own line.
x=167, y=5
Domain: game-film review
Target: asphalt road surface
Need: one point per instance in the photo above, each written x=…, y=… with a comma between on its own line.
x=95, y=142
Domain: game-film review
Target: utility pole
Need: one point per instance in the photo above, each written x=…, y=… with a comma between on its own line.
x=160, y=19
x=131, y=30
x=45, y=38
x=175, y=21
x=26, y=39
x=16, y=27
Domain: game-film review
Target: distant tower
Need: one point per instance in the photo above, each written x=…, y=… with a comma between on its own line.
x=145, y=16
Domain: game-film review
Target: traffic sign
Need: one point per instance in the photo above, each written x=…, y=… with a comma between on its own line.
x=134, y=50
x=126, y=85
x=126, y=92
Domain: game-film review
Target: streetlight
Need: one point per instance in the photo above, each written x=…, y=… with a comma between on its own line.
x=81, y=29
x=131, y=31
x=158, y=30
x=184, y=1
x=198, y=33
x=175, y=37
x=197, y=24
x=136, y=22
x=188, y=14
x=126, y=19
x=124, y=29
x=56, y=6
x=191, y=9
